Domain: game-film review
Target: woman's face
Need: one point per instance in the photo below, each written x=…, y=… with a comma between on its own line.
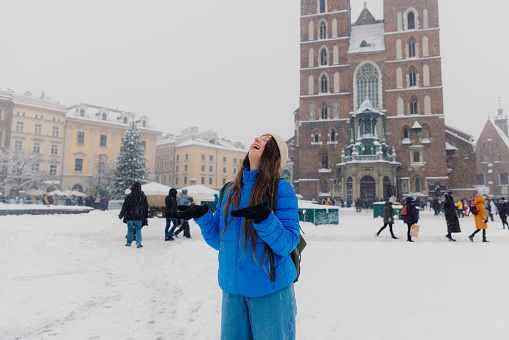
x=256, y=151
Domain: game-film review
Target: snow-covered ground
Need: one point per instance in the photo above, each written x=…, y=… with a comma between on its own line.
x=71, y=277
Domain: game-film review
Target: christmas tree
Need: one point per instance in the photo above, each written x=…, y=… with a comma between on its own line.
x=130, y=162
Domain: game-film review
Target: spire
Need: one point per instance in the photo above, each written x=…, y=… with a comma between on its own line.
x=500, y=109
x=366, y=18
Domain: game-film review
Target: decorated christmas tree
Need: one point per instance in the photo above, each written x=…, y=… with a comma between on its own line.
x=130, y=162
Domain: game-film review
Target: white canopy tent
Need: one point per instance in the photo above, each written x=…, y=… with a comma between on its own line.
x=153, y=188
x=57, y=192
x=200, y=193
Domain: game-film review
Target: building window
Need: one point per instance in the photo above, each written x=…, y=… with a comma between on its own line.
x=125, y=120
x=35, y=167
x=38, y=129
x=312, y=111
x=37, y=148
x=18, y=145
x=82, y=112
x=78, y=165
x=323, y=111
x=411, y=20
x=203, y=168
x=52, y=170
x=185, y=180
x=413, y=106
x=224, y=170
x=165, y=164
x=203, y=180
x=322, y=6
x=210, y=181
x=54, y=149
x=19, y=126
x=187, y=157
x=405, y=132
x=185, y=168
x=323, y=30
x=325, y=186
x=417, y=158
x=56, y=131
x=176, y=180
x=144, y=123
x=102, y=140
x=417, y=184
x=412, y=76
x=211, y=168
x=224, y=159
x=504, y=180
x=325, y=160
x=211, y=158
x=202, y=157
x=81, y=137
x=178, y=158
x=315, y=137
x=332, y=135
x=177, y=168
x=324, y=84
x=411, y=48
x=367, y=84
x=235, y=161
x=323, y=56
x=143, y=145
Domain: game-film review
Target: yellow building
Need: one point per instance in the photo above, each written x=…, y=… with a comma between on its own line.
x=209, y=163
x=93, y=137
x=37, y=126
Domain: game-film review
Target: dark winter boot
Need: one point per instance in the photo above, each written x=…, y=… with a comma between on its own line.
x=450, y=238
x=471, y=238
x=484, y=236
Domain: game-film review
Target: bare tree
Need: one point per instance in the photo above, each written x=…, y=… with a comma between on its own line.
x=22, y=170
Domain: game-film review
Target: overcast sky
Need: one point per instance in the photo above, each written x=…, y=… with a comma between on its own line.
x=230, y=66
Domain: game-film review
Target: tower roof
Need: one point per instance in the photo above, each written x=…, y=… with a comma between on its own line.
x=366, y=18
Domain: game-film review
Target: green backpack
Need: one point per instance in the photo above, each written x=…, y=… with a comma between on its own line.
x=295, y=254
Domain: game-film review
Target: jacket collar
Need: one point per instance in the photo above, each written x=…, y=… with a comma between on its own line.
x=249, y=176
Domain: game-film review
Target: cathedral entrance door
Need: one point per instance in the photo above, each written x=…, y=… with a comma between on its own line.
x=368, y=188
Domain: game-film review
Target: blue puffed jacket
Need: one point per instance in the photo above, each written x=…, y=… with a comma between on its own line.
x=239, y=273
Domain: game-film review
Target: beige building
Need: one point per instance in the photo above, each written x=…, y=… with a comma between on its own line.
x=93, y=137
x=211, y=163
x=37, y=126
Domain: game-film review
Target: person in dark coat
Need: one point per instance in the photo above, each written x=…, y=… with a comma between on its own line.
x=135, y=198
x=171, y=206
x=411, y=217
x=436, y=206
x=503, y=211
x=453, y=223
x=388, y=216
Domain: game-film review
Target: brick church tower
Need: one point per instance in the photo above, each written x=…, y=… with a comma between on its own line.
x=371, y=121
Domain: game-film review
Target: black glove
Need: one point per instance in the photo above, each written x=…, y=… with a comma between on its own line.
x=257, y=213
x=485, y=221
x=187, y=212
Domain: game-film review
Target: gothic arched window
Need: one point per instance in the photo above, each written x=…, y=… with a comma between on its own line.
x=316, y=136
x=412, y=77
x=323, y=57
x=411, y=20
x=324, y=84
x=413, y=106
x=323, y=30
x=405, y=132
x=323, y=112
x=367, y=84
x=325, y=160
x=322, y=6
x=411, y=48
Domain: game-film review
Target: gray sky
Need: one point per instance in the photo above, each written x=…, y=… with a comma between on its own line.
x=231, y=66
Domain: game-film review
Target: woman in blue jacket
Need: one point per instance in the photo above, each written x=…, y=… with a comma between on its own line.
x=243, y=228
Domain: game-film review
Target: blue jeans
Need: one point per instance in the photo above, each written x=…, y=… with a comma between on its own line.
x=168, y=223
x=267, y=317
x=130, y=226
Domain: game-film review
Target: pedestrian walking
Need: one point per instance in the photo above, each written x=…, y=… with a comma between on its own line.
x=411, y=216
x=258, y=293
x=503, y=211
x=171, y=206
x=493, y=209
x=451, y=218
x=388, y=217
x=481, y=221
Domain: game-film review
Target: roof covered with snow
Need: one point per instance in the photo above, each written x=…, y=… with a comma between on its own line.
x=367, y=38
x=223, y=144
x=501, y=134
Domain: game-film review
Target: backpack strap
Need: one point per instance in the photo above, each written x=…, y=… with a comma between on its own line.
x=222, y=192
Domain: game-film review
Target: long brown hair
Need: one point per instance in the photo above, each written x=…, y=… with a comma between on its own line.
x=264, y=187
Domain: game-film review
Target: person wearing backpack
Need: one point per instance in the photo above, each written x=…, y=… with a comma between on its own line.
x=411, y=216
x=481, y=221
x=451, y=218
x=134, y=211
x=171, y=206
x=258, y=302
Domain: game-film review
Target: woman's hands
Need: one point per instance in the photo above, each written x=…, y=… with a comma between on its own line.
x=187, y=212
x=257, y=213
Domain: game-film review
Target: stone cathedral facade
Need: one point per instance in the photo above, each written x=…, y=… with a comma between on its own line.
x=371, y=121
